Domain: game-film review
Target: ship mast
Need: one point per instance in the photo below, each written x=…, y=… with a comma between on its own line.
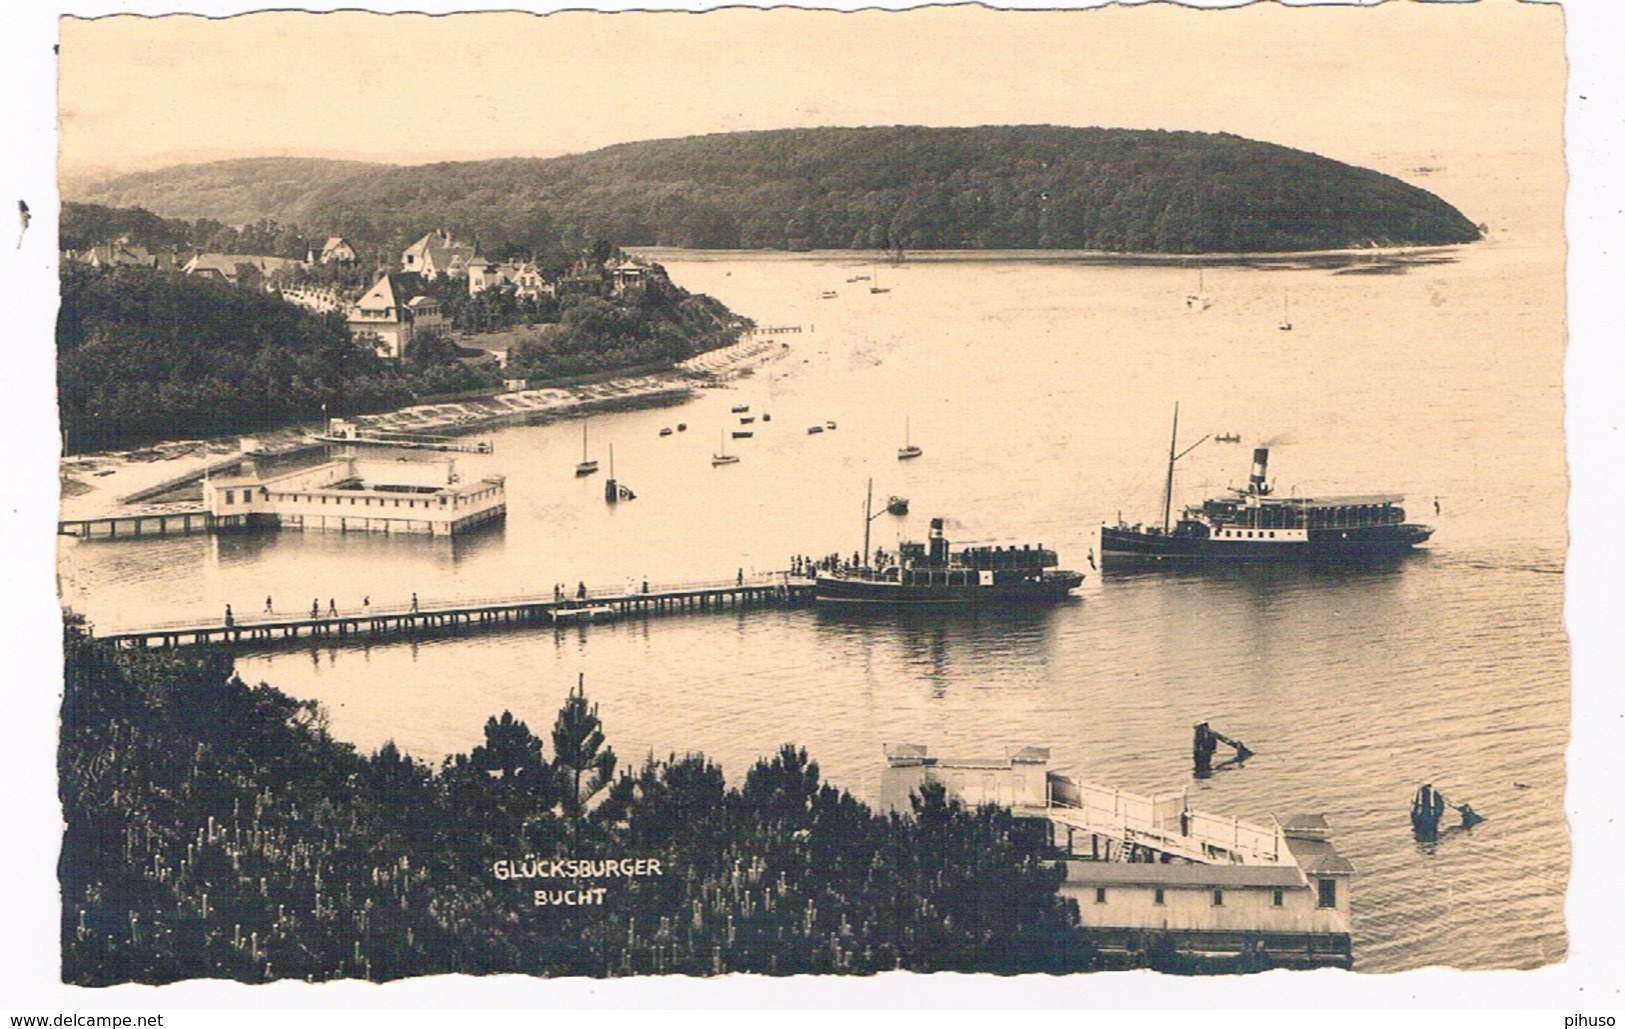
x=1175, y=455
x=1168, y=487
x=868, y=502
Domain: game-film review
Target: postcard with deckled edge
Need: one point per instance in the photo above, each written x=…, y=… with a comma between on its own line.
x=758, y=493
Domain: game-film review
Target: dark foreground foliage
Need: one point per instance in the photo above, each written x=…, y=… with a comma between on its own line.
x=215, y=829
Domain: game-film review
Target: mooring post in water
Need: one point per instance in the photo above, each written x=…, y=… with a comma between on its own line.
x=1206, y=741
x=1427, y=808
x=1202, y=748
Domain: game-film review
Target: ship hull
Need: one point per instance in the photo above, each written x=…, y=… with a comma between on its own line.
x=839, y=590
x=1329, y=546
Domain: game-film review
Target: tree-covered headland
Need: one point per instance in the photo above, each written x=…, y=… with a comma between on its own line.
x=996, y=186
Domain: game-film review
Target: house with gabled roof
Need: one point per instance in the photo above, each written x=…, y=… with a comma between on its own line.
x=337, y=250
x=438, y=254
x=122, y=252
x=396, y=308
x=529, y=283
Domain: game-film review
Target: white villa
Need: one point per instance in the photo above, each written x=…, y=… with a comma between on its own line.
x=395, y=309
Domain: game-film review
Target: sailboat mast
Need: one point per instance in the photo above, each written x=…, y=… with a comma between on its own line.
x=868, y=501
x=583, y=442
x=1168, y=487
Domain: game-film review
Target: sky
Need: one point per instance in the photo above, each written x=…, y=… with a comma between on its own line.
x=1348, y=81
x=140, y=92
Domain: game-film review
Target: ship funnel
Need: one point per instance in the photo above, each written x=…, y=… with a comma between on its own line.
x=939, y=545
x=1261, y=464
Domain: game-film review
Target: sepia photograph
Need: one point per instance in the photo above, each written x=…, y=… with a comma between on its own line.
x=1094, y=494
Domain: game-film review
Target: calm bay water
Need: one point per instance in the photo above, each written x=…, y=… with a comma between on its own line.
x=1041, y=392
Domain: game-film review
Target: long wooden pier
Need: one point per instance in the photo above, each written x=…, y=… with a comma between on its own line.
x=373, y=625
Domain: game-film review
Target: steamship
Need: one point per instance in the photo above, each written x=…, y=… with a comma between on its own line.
x=1254, y=525
x=929, y=574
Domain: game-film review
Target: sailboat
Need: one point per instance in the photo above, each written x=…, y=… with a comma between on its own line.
x=876, y=287
x=908, y=449
x=1286, y=314
x=586, y=467
x=722, y=456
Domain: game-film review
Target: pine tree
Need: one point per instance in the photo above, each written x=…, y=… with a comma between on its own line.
x=581, y=762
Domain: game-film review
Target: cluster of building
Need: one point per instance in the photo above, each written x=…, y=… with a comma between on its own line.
x=398, y=305
x=221, y=267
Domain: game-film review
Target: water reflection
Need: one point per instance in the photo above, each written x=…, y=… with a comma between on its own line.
x=942, y=645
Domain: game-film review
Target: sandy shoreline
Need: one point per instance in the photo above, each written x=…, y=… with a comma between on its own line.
x=91, y=484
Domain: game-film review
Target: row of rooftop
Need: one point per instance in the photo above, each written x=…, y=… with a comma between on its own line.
x=398, y=305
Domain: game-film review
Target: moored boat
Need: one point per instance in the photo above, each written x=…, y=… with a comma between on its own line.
x=908, y=450
x=722, y=456
x=587, y=466
x=929, y=574
x=896, y=505
x=932, y=574
x=1255, y=525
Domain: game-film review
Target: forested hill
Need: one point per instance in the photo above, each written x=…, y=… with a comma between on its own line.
x=1043, y=187
x=230, y=192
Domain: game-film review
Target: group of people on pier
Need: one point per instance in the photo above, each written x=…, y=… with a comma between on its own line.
x=316, y=608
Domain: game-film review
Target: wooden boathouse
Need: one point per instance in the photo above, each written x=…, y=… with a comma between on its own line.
x=1151, y=871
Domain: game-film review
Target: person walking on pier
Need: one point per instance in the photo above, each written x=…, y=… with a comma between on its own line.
x=332, y=608
x=267, y=605
x=315, y=609
x=229, y=619
x=414, y=603
x=581, y=590
x=739, y=580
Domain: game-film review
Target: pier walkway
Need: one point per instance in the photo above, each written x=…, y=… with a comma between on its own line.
x=376, y=624
x=1129, y=824
x=179, y=521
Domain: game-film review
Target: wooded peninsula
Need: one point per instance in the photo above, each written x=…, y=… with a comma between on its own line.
x=990, y=187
